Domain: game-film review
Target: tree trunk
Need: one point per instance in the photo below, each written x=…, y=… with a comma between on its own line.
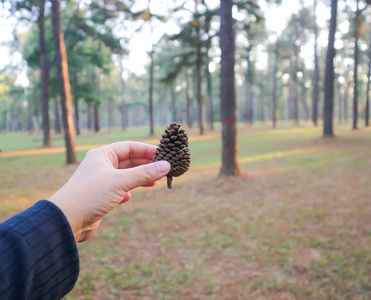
x=249, y=88
x=29, y=115
x=367, y=112
x=3, y=121
x=36, y=123
x=64, y=84
x=110, y=113
x=262, y=107
x=44, y=72
x=152, y=131
x=346, y=96
x=122, y=113
x=122, y=105
x=316, y=75
x=8, y=118
x=275, y=71
x=228, y=96
x=340, y=102
x=22, y=122
x=95, y=104
x=305, y=105
x=76, y=104
x=96, y=118
x=188, y=102
x=57, y=122
x=77, y=115
x=210, y=98
x=295, y=95
x=200, y=99
x=329, y=75
x=356, y=61
x=172, y=91
x=89, y=119
x=173, y=103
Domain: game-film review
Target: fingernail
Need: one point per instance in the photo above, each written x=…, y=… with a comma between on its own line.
x=163, y=167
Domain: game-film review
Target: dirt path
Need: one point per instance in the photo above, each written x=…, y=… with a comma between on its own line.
x=52, y=150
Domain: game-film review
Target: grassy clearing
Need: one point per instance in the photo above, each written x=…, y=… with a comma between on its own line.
x=296, y=226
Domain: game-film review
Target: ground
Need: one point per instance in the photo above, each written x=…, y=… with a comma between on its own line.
x=296, y=225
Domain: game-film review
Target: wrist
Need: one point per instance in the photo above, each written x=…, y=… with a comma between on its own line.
x=72, y=216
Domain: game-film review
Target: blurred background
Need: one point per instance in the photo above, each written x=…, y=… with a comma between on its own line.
x=284, y=94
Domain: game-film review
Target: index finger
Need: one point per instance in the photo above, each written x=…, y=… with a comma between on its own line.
x=129, y=149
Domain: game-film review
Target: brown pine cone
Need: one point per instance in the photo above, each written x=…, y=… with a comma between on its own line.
x=173, y=147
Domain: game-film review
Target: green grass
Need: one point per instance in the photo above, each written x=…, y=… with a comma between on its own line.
x=18, y=141
x=297, y=224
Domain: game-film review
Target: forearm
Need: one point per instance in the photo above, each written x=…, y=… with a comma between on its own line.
x=38, y=254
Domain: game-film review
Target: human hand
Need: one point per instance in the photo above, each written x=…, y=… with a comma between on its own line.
x=103, y=181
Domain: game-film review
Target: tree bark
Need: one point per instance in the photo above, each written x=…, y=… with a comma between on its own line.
x=95, y=104
x=44, y=74
x=228, y=95
x=188, y=102
x=96, y=118
x=275, y=71
x=356, y=61
x=64, y=84
x=316, y=74
x=151, y=125
x=329, y=75
x=57, y=122
x=367, y=112
x=89, y=119
x=76, y=106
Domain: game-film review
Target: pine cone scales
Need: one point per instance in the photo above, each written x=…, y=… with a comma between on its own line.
x=173, y=147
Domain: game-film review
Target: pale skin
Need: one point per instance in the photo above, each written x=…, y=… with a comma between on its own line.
x=103, y=181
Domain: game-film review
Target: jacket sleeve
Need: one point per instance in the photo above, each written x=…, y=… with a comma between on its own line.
x=38, y=254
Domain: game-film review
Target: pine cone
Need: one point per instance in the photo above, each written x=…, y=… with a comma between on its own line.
x=173, y=147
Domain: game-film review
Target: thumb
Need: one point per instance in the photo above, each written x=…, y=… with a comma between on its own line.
x=144, y=174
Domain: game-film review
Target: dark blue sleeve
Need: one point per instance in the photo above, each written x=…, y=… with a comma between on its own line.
x=38, y=254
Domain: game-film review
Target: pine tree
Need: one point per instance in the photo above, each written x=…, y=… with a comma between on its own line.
x=329, y=75
x=64, y=84
x=228, y=95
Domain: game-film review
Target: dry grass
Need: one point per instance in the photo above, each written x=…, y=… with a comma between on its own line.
x=296, y=226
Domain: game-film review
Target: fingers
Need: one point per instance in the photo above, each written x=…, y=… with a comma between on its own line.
x=126, y=198
x=133, y=162
x=143, y=175
x=128, y=194
x=129, y=149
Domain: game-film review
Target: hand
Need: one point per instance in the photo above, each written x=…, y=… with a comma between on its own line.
x=103, y=181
